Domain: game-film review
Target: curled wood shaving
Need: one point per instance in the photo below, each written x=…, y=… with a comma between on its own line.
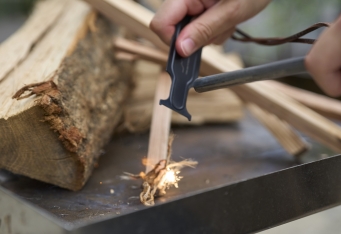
x=164, y=175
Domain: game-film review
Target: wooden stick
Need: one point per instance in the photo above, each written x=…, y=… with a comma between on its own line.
x=285, y=135
x=75, y=93
x=154, y=4
x=143, y=52
x=18, y=46
x=137, y=18
x=161, y=119
x=326, y=106
x=297, y=115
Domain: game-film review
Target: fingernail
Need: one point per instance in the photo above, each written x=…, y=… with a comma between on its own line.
x=187, y=46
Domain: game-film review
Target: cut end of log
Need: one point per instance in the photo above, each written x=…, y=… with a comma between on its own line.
x=57, y=125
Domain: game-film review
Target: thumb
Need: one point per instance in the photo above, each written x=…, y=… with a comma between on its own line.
x=213, y=22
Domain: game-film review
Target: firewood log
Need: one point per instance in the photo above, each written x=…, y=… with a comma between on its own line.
x=63, y=98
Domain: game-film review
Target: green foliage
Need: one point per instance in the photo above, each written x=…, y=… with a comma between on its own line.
x=15, y=7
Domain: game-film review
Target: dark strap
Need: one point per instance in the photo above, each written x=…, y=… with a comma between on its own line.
x=242, y=36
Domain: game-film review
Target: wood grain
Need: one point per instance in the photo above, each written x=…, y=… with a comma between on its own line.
x=324, y=105
x=282, y=131
x=56, y=135
x=15, y=49
x=160, y=126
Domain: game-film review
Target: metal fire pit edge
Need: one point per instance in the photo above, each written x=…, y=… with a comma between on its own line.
x=243, y=207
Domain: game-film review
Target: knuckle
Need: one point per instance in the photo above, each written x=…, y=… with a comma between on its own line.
x=154, y=26
x=204, y=31
x=310, y=63
x=234, y=11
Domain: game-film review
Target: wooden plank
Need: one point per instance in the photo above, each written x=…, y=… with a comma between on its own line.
x=155, y=55
x=282, y=131
x=295, y=114
x=74, y=93
x=324, y=105
x=141, y=51
x=43, y=61
x=160, y=126
x=17, y=47
x=154, y=4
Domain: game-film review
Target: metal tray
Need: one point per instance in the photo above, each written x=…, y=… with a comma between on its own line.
x=244, y=182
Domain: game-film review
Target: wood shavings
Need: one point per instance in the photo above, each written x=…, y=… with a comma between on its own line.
x=164, y=175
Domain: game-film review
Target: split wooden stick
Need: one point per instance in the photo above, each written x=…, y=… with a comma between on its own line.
x=297, y=115
x=285, y=135
x=154, y=4
x=16, y=48
x=153, y=54
x=326, y=106
x=141, y=51
x=160, y=126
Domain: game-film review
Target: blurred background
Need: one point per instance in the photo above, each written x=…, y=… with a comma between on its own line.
x=280, y=19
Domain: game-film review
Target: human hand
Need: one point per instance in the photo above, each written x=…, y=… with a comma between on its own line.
x=216, y=21
x=324, y=60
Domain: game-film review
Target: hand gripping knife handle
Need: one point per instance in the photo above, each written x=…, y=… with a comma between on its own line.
x=183, y=72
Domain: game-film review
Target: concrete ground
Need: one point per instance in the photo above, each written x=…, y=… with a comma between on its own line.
x=326, y=222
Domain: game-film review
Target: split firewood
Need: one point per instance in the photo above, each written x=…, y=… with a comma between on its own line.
x=137, y=18
x=323, y=105
x=140, y=51
x=222, y=106
x=18, y=46
x=212, y=112
x=295, y=146
x=297, y=115
x=67, y=94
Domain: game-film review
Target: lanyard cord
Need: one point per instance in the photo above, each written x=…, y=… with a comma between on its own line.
x=243, y=37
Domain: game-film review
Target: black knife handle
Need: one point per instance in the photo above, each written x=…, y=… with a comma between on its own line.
x=183, y=72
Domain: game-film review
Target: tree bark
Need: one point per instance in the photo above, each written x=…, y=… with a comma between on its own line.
x=55, y=127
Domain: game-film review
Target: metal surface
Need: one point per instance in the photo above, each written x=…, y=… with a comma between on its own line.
x=183, y=72
x=258, y=73
x=231, y=190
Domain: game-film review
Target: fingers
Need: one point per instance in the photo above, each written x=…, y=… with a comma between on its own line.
x=223, y=37
x=324, y=60
x=172, y=12
x=221, y=17
x=215, y=18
